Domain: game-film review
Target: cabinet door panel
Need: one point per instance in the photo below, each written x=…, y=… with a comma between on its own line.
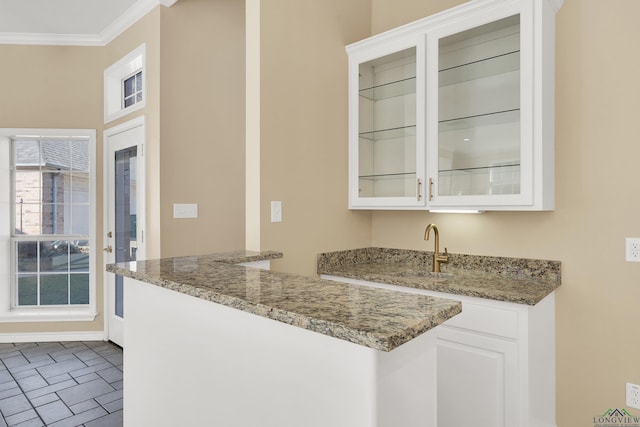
x=387, y=140
x=479, y=135
x=477, y=380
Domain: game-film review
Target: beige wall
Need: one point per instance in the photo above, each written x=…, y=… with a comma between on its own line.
x=597, y=199
x=304, y=128
x=597, y=204
x=51, y=87
x=202, y=125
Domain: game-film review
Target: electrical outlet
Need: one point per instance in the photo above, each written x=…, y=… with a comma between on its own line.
x=633, y=396
x=633, y=249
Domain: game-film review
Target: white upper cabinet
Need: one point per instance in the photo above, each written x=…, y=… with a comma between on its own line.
x=387, y=132
x=456, y=111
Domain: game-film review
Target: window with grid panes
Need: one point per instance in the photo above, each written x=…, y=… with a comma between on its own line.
x=132, y=90
x=51, y=221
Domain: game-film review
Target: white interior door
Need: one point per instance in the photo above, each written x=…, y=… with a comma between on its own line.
x=124, y=214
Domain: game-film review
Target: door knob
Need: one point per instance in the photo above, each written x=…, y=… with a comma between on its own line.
x=108, y=249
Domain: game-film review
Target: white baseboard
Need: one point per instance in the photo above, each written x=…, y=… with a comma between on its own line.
x=51, y=336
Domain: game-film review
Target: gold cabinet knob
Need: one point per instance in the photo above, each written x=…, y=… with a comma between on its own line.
x=108, y=249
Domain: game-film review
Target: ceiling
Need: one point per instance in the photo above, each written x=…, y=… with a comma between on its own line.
x=73, y=22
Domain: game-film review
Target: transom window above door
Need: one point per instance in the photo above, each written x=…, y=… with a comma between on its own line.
x=132, y=90
x=124, y=85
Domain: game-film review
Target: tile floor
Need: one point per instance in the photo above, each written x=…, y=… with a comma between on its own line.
x=61, y=384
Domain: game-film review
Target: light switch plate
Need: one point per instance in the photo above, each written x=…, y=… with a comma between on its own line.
x=185, y=210
x=276, y=211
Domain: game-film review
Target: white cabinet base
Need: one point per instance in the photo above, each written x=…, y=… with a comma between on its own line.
x=191, y=362
x=495, y=362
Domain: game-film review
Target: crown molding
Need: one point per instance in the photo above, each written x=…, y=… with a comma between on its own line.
x=126, y=20
x=51, y=39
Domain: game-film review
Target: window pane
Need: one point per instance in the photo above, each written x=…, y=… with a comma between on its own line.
x=52, y=187
x=80, y=187
x=139, y=81
x=79, y=255
x=54, y=289
x=56, y=154
x=27, y=152
x=79, y=289
x=27, y=185
x=80, y=218
x=27, y=290
x=28, y=219
x=54, y=220
x=129, y=86
x=27, y=256
x=79, y=156
x=128, y=102
x=54, y=255
x=119, y=309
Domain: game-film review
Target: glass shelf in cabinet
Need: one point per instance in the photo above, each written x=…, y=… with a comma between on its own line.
x=479, y=120
x=401, y=175
x=399, y=132
x=479, y=170
x=499, y=64
x=390, y=90
x=499, y=179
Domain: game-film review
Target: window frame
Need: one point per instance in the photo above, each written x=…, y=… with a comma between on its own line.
x=114, y=77
x=134, y=94
x=9, y=310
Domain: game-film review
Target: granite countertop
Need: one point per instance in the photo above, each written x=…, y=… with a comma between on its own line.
x=377, y=318
x=517, y=280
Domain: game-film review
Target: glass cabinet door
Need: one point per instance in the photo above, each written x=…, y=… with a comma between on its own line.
x=389, y=159
x=456, y=111
x=479, y=131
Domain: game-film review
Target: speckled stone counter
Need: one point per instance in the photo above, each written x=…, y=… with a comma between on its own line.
x=376, y=318
x=523, y=281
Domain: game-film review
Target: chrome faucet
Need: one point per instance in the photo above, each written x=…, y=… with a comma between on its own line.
x=437, y=258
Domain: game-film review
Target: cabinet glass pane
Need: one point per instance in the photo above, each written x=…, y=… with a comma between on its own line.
x=479, y=110
x=387, y=126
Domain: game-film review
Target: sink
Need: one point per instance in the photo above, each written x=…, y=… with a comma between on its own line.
x=426, y=274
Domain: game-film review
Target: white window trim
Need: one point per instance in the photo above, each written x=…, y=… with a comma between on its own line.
x=113, y=79
x=8, y=313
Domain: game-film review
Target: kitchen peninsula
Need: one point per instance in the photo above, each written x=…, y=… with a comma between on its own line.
x=211, y=342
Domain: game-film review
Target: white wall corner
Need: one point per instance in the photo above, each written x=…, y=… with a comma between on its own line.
x=168, y=3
